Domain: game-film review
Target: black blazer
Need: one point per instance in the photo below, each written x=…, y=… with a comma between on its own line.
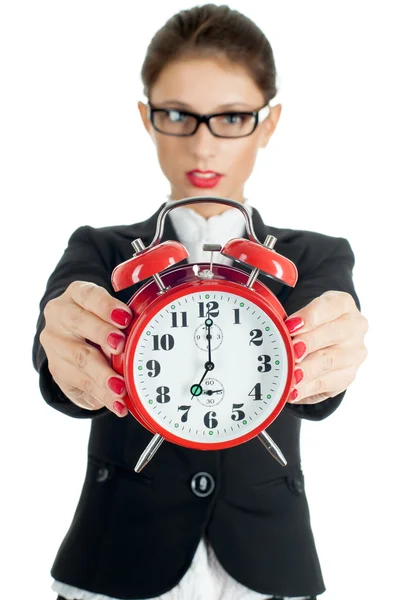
x=134, y=535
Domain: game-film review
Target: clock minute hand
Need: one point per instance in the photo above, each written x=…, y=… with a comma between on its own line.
x=208, y=325
x=208, y=365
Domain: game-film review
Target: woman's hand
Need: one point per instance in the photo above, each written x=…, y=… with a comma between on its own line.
x=329, y=346
x=82, y=331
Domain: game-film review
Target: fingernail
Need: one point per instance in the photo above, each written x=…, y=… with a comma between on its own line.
x=294, y=323
x=298, y=375
x=114, y=339
x=299, y=349
x=116, y=385
x=119, y=407
x=294, y=395
x=120, y=316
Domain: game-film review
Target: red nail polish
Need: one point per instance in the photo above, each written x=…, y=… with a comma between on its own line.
x=298, y=375
x=116, y=385
x=294, y=324
x=294, y=395
x=114, y=339
x=299, y=349
x=120, y=316
x=119, y=407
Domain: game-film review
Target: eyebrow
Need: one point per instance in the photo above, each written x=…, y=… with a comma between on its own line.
x=179, y=103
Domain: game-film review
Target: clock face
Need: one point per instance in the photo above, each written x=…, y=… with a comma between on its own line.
x=209, y=367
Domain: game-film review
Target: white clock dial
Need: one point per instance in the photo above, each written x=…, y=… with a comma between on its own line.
x=248, y=357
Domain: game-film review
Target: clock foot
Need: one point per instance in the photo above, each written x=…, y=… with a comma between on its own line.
x=272, y=447
x=149, y=452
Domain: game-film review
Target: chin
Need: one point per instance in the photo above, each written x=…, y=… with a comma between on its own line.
x=206, y=192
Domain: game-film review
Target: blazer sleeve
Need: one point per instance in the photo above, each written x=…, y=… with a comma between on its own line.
x=81, y=261
x=334, y=272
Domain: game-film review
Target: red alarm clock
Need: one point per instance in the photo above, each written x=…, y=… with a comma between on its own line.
x=208, y=361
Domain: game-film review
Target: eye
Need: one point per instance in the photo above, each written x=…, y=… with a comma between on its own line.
x=176, y=116
x=233, y=118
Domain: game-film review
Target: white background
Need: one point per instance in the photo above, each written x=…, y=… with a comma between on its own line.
x=73, y=152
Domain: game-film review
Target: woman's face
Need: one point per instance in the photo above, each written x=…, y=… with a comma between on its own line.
x=205, y=86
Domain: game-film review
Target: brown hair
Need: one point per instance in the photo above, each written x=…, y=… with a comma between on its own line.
x=216, y=31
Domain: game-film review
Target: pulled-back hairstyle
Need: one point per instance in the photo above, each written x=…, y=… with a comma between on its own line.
x=212, y=31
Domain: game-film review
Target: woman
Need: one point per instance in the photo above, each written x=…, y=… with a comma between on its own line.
x=229, y=524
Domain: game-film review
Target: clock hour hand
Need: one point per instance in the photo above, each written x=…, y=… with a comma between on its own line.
x=157, y=440
x=196, y=389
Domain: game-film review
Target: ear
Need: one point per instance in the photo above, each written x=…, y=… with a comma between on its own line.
x=270, y=124
x=143, y=109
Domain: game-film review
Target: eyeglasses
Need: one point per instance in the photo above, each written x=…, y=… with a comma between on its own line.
x=181, y=123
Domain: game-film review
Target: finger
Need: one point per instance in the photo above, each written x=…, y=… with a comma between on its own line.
x=107, y=352
x=83, y=400
x=326, y=360
x=312, y=399
x=345, y=327
x=323, y=309
x=88, y=326
x=98, y=301
x=327, y=385
x=87, y=370
x=81, y=390
x=61, y=375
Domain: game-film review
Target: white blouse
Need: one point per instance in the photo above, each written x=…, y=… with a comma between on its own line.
x=205, y=579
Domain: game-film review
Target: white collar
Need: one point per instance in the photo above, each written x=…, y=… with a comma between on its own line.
x=190, y=225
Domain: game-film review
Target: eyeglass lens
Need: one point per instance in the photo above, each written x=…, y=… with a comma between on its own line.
x=176, y=122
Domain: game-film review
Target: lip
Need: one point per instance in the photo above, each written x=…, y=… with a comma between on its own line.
x=203, y=172
x=203, y=183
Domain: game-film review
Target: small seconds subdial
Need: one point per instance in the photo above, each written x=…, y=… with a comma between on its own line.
x=212, y=392
x=201, y=340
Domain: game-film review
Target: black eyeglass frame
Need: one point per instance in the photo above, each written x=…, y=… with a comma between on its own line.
x=206, y=118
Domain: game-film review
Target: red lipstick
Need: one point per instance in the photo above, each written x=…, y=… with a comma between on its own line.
x=203, y=179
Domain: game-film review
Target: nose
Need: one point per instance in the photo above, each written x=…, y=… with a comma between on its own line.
x=203, y=143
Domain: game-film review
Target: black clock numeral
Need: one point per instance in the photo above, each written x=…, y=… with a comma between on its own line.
x=257, y=337
x=213, y=309
x=237, y=316
x=238, y=415
x=184, y=416
x=264, y=367
x=163, y=396
x=210, y=421
x=166, y=342
x=183, y=319
x=256, y=392
x=154, y=368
